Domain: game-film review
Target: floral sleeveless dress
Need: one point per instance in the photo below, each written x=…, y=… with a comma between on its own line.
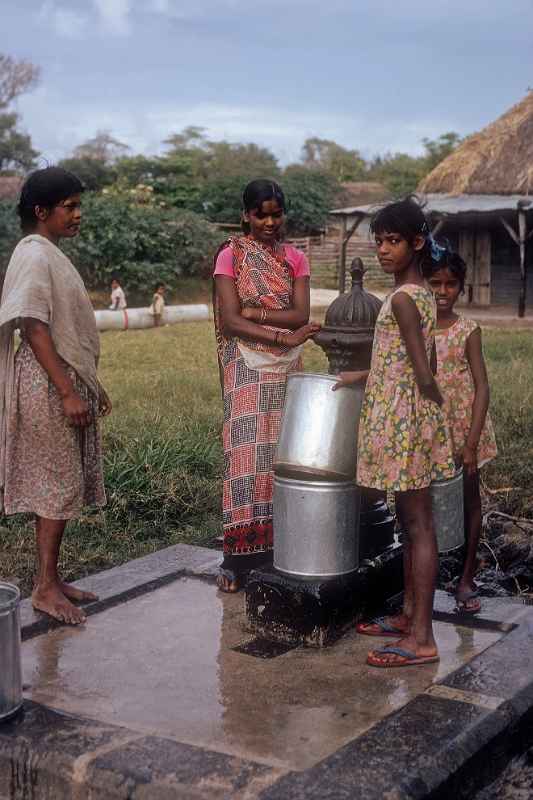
x=457, y=386
x=403, y=438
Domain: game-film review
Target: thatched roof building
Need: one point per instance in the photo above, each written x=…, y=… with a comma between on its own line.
x=480, y=198
x=497, y=160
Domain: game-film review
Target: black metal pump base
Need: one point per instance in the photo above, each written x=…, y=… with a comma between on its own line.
x=318, y=612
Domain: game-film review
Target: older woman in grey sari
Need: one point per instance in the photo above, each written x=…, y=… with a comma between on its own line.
x=50, y=396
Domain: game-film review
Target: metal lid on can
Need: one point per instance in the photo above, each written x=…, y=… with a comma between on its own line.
x=9, y=597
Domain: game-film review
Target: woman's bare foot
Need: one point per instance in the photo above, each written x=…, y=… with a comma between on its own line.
x=396, y=625
x=74, y=593
x=50, y=600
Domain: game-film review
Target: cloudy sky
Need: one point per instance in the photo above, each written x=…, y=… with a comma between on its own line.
x=378, y=75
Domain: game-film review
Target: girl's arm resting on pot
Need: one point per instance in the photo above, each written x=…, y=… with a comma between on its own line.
x=408, y=319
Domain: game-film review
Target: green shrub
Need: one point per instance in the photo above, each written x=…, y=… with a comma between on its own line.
x=9, y=232
x=140, y=243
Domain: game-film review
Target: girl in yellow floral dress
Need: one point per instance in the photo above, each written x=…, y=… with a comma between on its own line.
x=403, y=438
x=462, y=377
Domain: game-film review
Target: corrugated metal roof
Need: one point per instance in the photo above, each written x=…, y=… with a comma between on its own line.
x=453, y=204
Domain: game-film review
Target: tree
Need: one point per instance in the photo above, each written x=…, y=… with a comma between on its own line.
x=16, y=77
x=102, y=147
x=16, y=152
x=330, y=157
x=438, y=149
x=191, y=136
x=399, y=172
x=94, y=174
x=310, y=195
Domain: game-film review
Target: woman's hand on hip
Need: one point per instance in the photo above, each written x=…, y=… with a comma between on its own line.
x=76, y=410
x=300, y=335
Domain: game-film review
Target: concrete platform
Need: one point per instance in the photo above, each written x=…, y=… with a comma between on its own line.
x=164, y=694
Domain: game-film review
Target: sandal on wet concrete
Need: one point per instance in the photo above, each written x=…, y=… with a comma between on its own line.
x=379, y=627
x=400, y=658
x=227, y=577
x=467, y=602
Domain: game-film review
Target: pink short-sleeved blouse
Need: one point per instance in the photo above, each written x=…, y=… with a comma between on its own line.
x=295, y=258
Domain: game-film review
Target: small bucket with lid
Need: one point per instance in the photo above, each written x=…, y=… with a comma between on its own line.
x=10, y=663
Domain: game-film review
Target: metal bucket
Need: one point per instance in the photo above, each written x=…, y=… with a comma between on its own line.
x=318, y=436
x=10, y=667
x=316, y=527
x=447, y=499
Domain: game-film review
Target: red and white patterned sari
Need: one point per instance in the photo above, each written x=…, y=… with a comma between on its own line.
x=253, y=401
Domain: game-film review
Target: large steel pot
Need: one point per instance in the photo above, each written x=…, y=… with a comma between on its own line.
x=447, y=499
x=10, y=668
x=316, y=527
x=318, y=436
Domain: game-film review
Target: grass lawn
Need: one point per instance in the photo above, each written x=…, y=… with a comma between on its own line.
x=163, y=454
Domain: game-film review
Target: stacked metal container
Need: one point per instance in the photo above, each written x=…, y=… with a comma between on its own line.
x=316, y=501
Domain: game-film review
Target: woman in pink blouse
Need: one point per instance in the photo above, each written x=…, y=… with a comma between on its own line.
x=261, y=303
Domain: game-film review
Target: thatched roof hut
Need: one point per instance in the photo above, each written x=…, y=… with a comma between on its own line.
x=497, y=160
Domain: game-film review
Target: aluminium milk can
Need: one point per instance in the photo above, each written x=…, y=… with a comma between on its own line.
x=447, y=500
x=318, y=435
x=316, y=527
x=10, y=666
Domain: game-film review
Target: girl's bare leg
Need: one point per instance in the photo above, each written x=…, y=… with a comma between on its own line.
x=473, y=533
x=415, y=512
x=49, y=591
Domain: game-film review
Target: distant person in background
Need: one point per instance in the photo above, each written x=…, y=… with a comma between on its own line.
x=50, y=396
x=158, y=304
x=118, y=298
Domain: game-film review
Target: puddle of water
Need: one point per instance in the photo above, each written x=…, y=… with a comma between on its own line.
x=171, y=662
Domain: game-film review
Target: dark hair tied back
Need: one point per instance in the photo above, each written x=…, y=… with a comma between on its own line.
x=258, y=192
x=45, y=188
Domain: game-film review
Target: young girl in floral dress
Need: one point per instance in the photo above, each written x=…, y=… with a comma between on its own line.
x=462, y=377
x=403, y=439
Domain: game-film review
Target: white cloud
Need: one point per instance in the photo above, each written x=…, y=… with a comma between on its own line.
x=114, y=15
x=65, y=22
x=57, y=128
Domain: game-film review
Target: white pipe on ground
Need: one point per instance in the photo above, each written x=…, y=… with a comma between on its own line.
x=135, y=318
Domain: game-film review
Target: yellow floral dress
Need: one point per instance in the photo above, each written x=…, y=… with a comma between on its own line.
x=455, y=381
x=403, y=438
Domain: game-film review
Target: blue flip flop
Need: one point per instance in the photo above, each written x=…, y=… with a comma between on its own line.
x=409, y=659
x=384, y=628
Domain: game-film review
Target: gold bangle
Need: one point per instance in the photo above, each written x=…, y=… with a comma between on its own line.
x=263, y=316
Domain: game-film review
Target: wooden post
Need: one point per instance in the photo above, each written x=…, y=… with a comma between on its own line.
x=520, y=239
x=523, y=267
x=342, y=256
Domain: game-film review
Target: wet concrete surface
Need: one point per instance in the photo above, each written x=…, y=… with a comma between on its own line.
x=164, y=663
